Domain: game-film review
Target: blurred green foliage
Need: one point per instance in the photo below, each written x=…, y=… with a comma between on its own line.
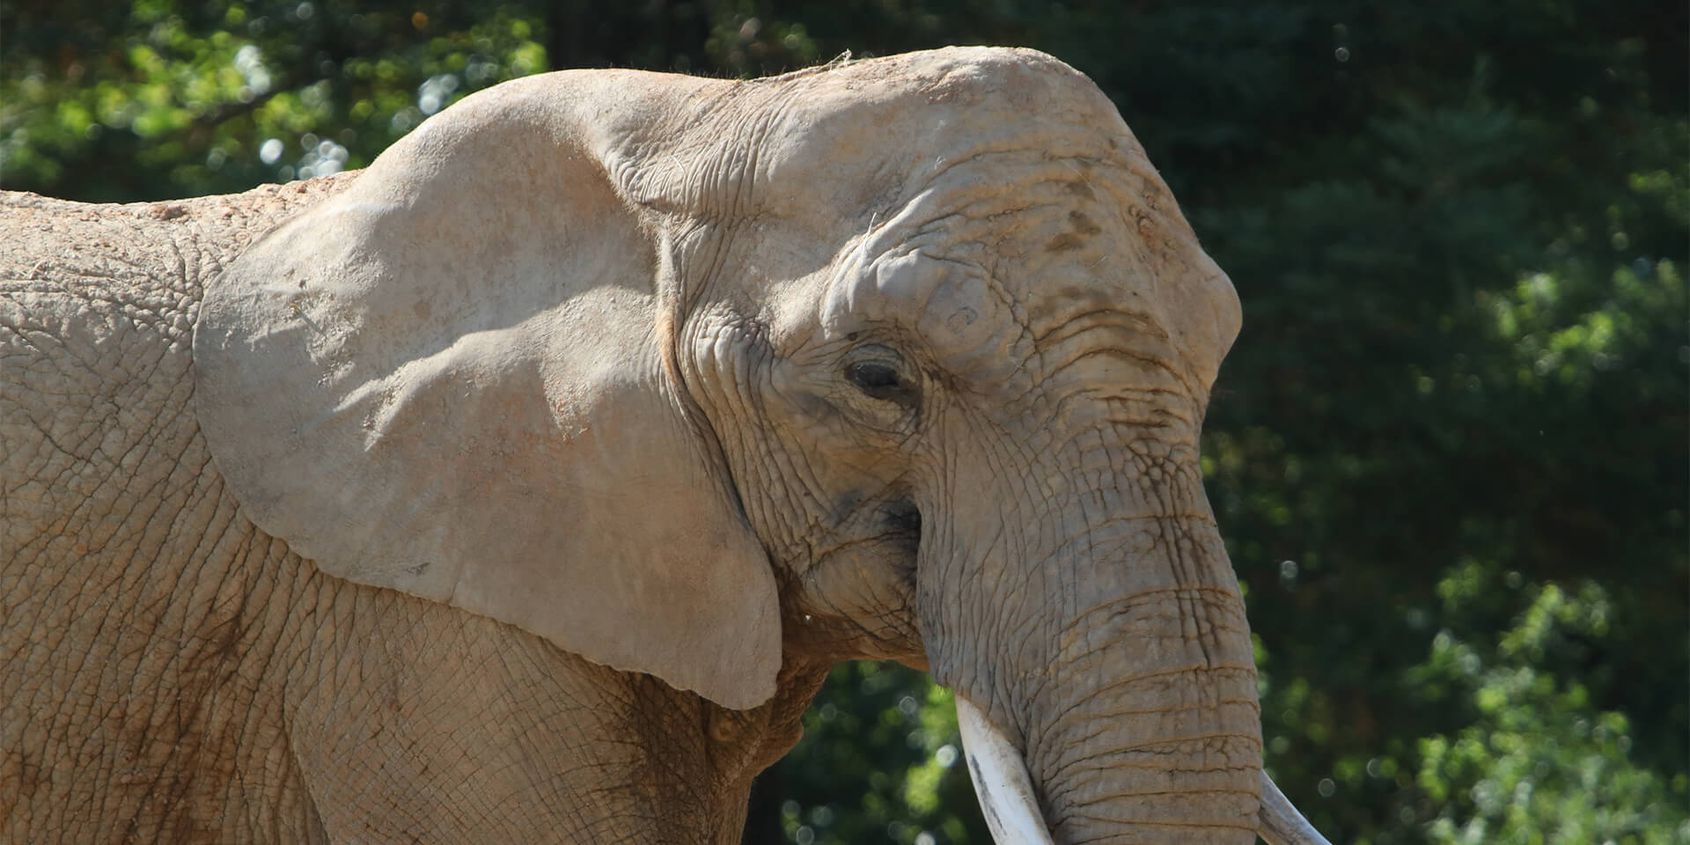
x=1451, y=449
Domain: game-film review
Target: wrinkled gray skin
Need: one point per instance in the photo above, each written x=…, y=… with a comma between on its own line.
x=930, y=344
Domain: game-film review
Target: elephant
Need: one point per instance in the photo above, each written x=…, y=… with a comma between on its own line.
x=525, y=485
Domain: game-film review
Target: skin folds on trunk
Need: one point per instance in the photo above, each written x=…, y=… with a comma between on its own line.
x=1012, y=810
x=1129, y=690
x=1149, y=729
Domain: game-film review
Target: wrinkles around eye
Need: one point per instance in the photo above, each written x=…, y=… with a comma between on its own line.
x=879, y=373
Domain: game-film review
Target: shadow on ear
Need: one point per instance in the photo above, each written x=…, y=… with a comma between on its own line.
x=448, y=380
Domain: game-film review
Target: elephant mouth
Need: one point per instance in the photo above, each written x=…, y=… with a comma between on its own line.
x=1012, y=811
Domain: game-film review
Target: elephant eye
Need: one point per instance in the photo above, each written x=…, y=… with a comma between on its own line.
x=879, y=380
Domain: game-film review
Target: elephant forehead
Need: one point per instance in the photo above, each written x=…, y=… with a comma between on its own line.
x=949, y=101
x=904, y=128
x=1006, y=160
x=990, y=272
x=1011, y=163
x=864, y=136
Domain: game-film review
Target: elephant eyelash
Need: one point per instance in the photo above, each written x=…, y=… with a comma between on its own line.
x=876, y=379
x=881, y=379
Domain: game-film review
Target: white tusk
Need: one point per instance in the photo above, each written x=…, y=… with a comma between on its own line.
x=1000, y=780
x=1281, y=823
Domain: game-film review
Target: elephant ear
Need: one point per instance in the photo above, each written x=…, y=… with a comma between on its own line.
x=455, y=379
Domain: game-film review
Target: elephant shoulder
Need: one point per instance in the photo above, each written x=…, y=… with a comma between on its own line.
x=97, y=307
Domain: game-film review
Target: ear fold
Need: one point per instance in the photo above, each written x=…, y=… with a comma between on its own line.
x=448, y=380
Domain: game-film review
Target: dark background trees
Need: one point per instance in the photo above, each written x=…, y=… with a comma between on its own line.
x=1451, y=449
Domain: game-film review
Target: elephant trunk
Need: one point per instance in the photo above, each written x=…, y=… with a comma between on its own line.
x=1107, y=688
x=1152, y=732
x=1144, y=726
x=1012, y=811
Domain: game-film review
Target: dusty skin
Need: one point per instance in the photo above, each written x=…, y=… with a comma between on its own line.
x=523, y=486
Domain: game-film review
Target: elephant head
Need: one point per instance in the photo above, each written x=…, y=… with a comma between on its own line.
x=903, y=358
